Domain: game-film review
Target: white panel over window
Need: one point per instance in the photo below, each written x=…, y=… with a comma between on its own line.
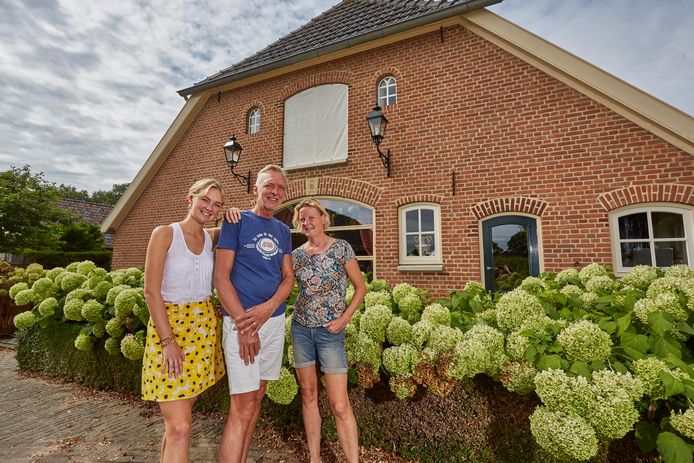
x=420, y=237
x=315, y=126
x=658, y=236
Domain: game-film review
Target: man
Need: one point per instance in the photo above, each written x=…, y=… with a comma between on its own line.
x=253, y=276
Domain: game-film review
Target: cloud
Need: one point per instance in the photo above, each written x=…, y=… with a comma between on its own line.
x=89, y=88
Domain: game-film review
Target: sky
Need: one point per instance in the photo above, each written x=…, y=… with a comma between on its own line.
x=89, y=88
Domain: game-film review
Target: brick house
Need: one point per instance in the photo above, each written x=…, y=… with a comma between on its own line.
x=509, y=156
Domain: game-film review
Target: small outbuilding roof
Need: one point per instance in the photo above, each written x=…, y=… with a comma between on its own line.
x=346, y=24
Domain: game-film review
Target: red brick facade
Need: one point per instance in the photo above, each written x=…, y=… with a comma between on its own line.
x=517, y=140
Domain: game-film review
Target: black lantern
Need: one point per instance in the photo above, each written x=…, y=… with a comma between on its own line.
x=232, y=152
x=377, y=126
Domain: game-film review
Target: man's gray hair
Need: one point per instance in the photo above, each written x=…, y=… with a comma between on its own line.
x=269, y=168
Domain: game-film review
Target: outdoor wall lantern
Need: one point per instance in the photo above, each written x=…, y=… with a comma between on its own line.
x=232, y=152
x=377, y=126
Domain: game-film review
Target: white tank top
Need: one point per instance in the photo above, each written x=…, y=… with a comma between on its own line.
x=187, y=276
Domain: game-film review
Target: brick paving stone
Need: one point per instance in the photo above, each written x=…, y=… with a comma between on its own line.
x=46, y=422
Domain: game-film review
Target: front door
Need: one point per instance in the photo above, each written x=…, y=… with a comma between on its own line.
x=510, y=251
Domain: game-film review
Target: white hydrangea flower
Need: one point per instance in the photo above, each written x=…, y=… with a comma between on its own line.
x=571, y=291
x=567, y=276
x=564, y=436
x=641, y=276
x=684, y=423
x=601, y=284
x=588, y=299
x=515, y=307
x=585, y=341
x=591, y=271
x=568, y=394
x=480, y=351
x=647, y=370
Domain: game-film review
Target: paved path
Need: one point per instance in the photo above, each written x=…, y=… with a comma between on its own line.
x=46, y=422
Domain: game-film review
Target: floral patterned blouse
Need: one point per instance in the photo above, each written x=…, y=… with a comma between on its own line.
x=322, y=284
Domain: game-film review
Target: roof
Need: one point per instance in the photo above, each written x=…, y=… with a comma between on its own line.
x=90, y=212
x=344, y=25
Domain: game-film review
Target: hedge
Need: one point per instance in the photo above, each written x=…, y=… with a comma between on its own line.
x=52, y=259
x=479, y=421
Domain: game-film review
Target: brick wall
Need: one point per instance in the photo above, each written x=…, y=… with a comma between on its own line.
x=517, y=140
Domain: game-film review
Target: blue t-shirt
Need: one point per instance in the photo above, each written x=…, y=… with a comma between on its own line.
x=260, y=245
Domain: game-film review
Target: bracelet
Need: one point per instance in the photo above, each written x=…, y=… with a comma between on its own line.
x=167, y=340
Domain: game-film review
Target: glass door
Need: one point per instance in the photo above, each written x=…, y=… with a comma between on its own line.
x=510, y=251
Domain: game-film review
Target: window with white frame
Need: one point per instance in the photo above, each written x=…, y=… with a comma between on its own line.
x=387, y=91
x=659, y=236
x=315, y=126
x=420, y=235
x=253, y=121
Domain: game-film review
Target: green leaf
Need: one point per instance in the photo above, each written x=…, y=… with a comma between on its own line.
x=608, y=326
x=566, y=313
x=619, y=367
x=664, y=345
x=673, y=386
x=530, y=354
x=673, y=449
x=582, y=369
x=623, y=323
x=632, y=353
x=597, y=365
x=678, y=362
x=646, y=435
x=660, y=322
x=685, y=327
x=689, y=389
x=549, y=361
x=630, y=300
x=635, y=341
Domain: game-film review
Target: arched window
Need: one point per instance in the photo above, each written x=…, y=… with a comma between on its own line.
x=253, y=121
x=350, y=221
x=387, y=91
x=660, y=236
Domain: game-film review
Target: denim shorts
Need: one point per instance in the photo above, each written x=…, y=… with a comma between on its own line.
x=319, y=344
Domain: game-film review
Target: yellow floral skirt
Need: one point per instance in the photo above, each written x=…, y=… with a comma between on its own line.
x=198, y=332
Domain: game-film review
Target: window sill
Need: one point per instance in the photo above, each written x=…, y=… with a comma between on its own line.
x=420, y=268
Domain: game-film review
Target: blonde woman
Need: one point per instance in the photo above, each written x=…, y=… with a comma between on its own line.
x=183, y=349
x=322, y=266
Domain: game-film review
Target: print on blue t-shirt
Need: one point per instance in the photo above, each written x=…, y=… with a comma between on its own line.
x=260, y=245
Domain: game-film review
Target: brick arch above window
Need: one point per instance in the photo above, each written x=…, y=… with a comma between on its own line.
x=313, y=80
x=385, y=72
x=532, y=206
x=347, y=188
x=653, y=193
x=423, y=198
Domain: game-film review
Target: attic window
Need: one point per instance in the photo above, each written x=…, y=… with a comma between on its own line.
x=253, y=121
x=315, y=126
x=387, y=91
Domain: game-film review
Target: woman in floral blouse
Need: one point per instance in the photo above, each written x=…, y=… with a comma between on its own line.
x=322, y=266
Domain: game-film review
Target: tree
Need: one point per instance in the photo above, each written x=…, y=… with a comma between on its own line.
x=29, y=217
x=109, y=197
x=70, y=192
x=518, y=244
x=81, y=236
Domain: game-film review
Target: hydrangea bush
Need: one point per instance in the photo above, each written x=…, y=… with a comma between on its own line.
x=605, y=356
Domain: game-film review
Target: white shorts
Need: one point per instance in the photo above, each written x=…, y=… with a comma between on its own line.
x=268, y=362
